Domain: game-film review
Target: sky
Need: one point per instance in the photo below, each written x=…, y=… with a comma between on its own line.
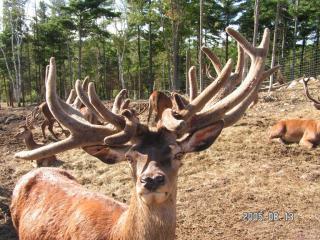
x=30, y=11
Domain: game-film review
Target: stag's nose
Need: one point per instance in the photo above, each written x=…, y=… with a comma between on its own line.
x=152, y=183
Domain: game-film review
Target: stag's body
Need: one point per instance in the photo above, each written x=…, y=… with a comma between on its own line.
x=306, y=132
x=57, y=195
x=27, y=136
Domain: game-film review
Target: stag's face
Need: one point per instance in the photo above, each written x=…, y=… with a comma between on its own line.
x=155, y=160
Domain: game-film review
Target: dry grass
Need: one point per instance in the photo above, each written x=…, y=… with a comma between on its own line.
x=242, y=172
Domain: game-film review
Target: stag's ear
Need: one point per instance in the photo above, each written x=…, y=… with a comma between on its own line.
x=202, y=139
x=105, y=154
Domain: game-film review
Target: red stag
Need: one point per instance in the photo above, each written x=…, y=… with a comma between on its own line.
x=50, y=204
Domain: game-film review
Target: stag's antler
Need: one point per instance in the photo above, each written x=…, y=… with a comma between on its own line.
x=82, y=132
x=187, y=117
x=316, y=103
x=231, y=107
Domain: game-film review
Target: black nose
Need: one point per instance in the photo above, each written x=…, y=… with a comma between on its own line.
x=152, y=183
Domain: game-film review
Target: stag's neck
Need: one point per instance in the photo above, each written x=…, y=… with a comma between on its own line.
x=30, y=143
x=143, y=222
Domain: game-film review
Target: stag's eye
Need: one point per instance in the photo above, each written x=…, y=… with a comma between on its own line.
x=178, y=156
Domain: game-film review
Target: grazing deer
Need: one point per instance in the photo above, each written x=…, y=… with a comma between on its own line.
x=50, y=204
x=26, y=135
x=48, y=121
x=73, y=100
x=306, y=132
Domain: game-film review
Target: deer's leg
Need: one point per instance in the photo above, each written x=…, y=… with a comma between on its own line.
x=306, y=143
x=43, y=128
x=150, y=111
x=62, y=129
x=307, y=140
x=50, y=127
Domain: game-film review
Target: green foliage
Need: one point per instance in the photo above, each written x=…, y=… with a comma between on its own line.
x=153, y=42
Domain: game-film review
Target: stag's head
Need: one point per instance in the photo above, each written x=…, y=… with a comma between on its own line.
x=155, y=155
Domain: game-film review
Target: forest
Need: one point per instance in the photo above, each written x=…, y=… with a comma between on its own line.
x=143, y=45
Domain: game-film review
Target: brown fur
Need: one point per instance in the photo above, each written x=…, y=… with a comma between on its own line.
x=306, y=132
x=48, y=203
x=48, y=121
x=158, y=102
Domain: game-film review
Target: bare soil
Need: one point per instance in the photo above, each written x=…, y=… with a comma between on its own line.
x=241, y=173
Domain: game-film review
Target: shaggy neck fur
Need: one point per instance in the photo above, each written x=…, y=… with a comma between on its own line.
x=143, y=222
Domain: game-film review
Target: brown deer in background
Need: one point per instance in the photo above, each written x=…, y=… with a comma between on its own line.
x=26, y=135
x=50, y=204
x=306, y=132
x=159, y=101
x=73, y=100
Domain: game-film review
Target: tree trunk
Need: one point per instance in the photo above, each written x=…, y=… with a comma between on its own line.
x=282, y=61
x=275, y=35
x=256, y=22
x=29, y=88
x=302, y=56
x=139, y=59
x=200, y=45
x=80, y=48
x=293, y=63
x=150, y=70
x=316, y=69
x=187, y=70
x=5, y=89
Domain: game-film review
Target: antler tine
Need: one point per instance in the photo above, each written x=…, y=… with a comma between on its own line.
x=84, y=98
x=306, y=90
x=71, y=97
x=252, y=80
x=118, y=101
x=237, y=112
x=251, y=51
x=176, y=121
x=82, y=132
x=117, y=120
x=213, y=59
x=208, y=74
x=235, y=77
x=85, y=83
x=125, y=104
x=77, y=102
x=193, y=89
x=198, y=103
x=240, y=65
x=46, y=74
x=127, y=133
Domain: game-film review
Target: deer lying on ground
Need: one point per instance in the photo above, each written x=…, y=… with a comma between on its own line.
x=306, y=132
x=50, y=204
x=26, y=135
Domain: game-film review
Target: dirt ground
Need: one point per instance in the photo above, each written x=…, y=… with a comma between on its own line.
x=241, y=174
